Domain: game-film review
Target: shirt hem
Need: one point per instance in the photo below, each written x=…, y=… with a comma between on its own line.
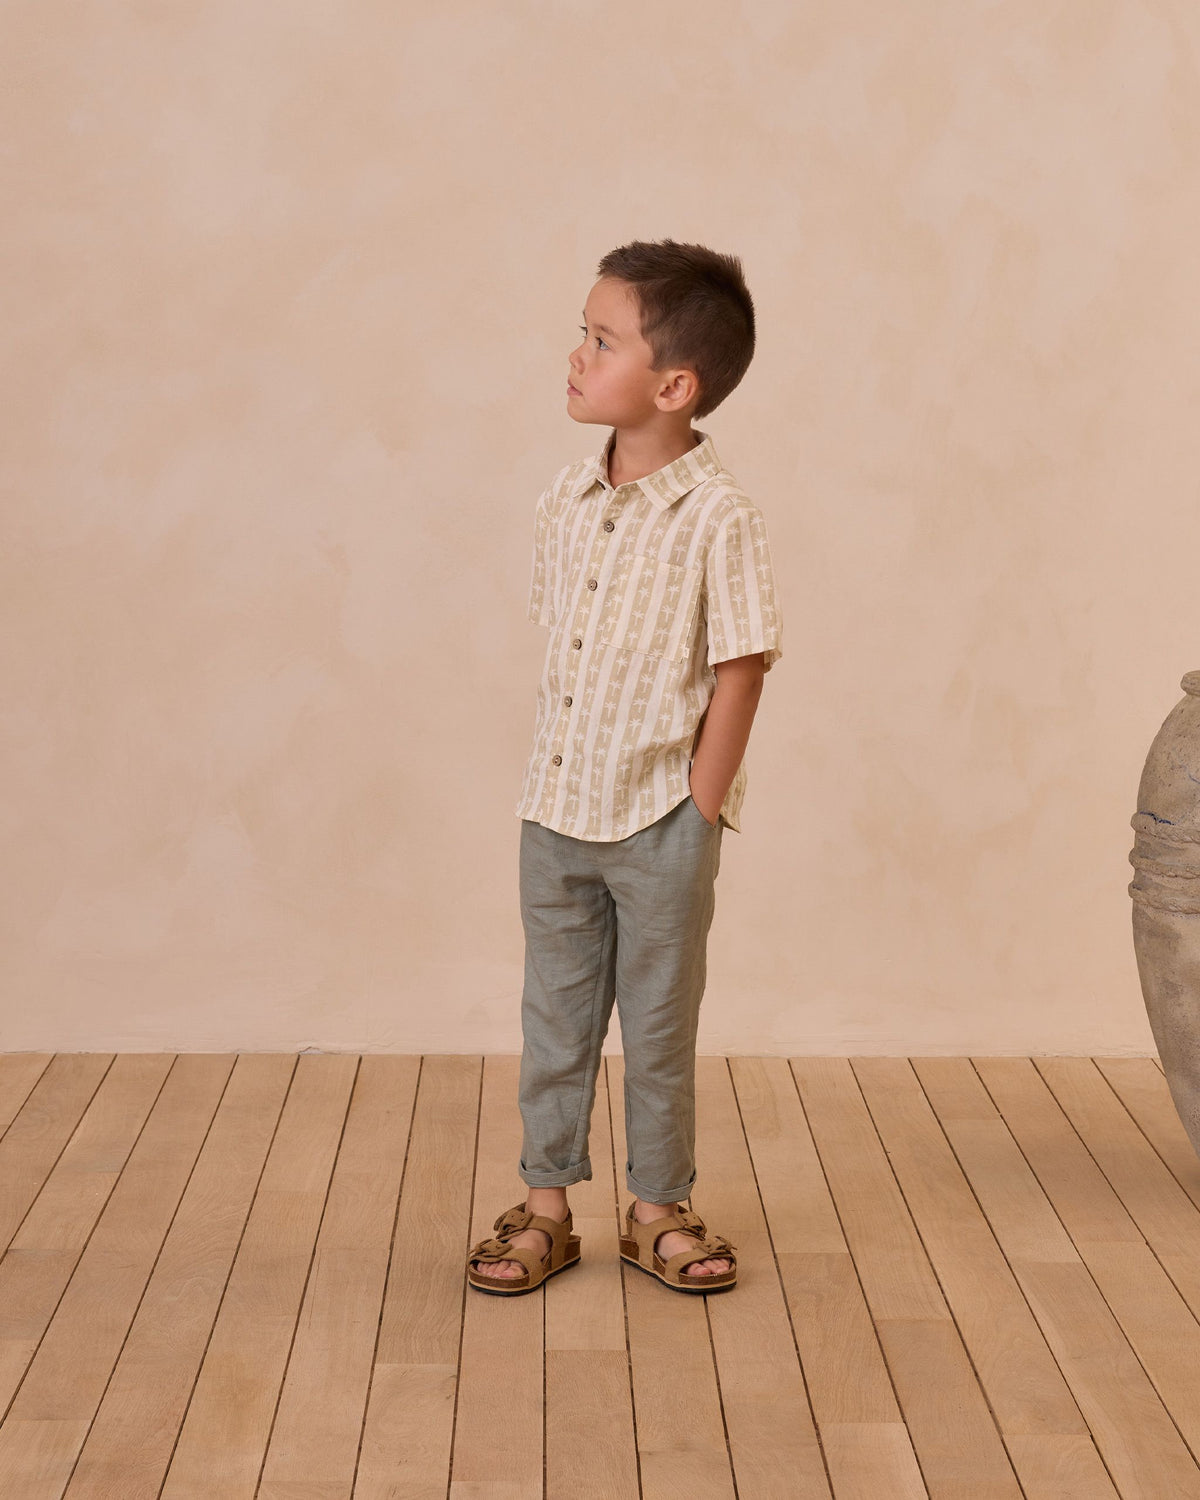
x=586, y=839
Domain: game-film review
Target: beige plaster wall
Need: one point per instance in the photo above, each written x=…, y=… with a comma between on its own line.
x=288, y=294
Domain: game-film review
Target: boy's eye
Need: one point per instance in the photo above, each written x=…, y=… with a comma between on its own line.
x=583, y=330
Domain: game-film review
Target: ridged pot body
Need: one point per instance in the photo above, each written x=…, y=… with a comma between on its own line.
x=1166, y=899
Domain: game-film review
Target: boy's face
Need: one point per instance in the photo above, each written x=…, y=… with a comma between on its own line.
x=611, y=380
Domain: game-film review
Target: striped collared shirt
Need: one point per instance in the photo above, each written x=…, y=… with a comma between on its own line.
x=645, y=586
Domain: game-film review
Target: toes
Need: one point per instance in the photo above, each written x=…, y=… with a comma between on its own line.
x=708, y=1268
x=508, y=1269
x=495, y=1268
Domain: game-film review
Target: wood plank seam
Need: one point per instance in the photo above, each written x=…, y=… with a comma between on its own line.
x=387, y=1275
x=716, y=1364
x=1012, y=1269
x=98, y=1214
x=1145, y=1240
x=157, y=1254
x=1087, y=1268
x=618, y=1212
x=1184, y=1142
x=857, y=1275
x=1140, y=1129
x=462, y=1319
x=266, y=1453
x=233, y=1260
x=933, y=1269
x=787, y=1308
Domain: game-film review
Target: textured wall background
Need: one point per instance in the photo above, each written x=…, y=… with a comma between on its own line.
x=288, y=295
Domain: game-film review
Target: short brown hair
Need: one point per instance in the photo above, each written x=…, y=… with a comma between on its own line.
x=696, y=310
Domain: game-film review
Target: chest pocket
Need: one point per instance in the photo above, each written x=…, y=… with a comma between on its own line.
x=650, y=606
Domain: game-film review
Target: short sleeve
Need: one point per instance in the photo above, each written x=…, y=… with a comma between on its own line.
x=740, y=595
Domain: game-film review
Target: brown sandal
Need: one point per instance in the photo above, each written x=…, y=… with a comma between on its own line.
x=563, y=1252
x=637, y=1247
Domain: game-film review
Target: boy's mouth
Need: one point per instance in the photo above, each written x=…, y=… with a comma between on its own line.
x=573, y=390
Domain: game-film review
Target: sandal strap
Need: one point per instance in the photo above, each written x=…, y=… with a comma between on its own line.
x=715, y=1247
x=558, y=1229
x=513, y=1221
x=684, y=1221
x=493, y=1249
x=677, y=1267
x=690, y=1223
x=501, y=1250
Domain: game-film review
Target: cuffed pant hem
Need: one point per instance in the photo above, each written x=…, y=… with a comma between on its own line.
x=659, y=1195
x=565, y=1178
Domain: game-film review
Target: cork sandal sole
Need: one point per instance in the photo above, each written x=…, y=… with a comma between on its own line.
x=562, y=1254
x=637, y=1248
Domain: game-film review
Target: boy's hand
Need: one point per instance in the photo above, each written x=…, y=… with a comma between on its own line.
x=704, y=813
x=724, y=732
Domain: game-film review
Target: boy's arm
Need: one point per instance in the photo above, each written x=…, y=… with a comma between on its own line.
x=725, y=731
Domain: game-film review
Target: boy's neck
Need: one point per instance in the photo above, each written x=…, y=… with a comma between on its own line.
x=636, y=454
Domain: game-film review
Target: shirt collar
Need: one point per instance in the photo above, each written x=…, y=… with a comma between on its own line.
x=665, y=485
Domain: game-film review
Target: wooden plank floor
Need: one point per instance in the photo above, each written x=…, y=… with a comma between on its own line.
x=241, y=1275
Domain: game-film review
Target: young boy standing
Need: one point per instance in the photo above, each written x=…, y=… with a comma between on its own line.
x=652, y=570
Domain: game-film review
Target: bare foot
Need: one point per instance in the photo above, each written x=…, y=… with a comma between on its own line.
x=536, y=1240
x=671, y=1242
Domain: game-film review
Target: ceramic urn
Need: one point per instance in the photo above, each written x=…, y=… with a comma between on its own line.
x=1166, y=899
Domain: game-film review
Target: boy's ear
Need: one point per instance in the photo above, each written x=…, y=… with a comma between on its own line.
x=683, y=388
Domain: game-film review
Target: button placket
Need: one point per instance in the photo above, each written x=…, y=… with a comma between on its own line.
x=593, y=584
x=608, y=525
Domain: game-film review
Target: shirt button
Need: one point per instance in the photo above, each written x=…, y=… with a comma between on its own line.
x=591, y=583
x=568, y=700
x=557, y=760
x=577, y=643
x=608, y=526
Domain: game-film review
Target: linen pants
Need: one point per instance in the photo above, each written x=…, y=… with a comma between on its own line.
x=625, y=920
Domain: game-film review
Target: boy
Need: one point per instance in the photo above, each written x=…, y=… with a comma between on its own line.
x=653, y=572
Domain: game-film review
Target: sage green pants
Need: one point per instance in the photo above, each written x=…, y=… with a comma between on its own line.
x=625, y=920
